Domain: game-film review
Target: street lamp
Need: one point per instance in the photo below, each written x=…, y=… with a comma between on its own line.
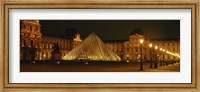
x=156, y=47
x=127, y=57
x=141, y=65
x=150, y=45
x=167, y=57
x=155, y=63
x=161, y=56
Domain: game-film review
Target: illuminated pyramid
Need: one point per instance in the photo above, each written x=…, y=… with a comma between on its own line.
x=92, y=48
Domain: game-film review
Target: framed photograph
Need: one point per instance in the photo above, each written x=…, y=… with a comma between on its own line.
x=100, y=46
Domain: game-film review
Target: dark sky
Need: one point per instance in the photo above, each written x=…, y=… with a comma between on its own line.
x=114, y=29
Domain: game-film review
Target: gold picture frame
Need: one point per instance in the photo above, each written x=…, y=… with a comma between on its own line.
x=37, y=4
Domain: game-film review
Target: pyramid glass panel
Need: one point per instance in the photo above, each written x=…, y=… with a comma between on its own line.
x=92, y=48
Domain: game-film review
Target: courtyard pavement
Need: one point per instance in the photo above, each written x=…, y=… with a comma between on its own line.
x=96, y=67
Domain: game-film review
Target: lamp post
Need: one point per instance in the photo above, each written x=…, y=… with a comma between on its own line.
x=150, y=45
x=156, y=62
x=167, y=52
x=172, y=58
x=161, y=56
x=127, y=57
x=141, y=64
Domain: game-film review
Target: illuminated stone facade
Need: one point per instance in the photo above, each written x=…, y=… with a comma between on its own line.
x=64, y=44
x=34, y=46
x=30, y=38
x=130, y=50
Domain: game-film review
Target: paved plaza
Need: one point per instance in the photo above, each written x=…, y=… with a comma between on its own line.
x=97, y=67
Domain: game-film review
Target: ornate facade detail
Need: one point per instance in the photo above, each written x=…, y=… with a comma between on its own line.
x=30, y=38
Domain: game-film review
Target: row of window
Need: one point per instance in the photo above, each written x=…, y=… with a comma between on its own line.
x=166, y=44
x=145, y=57
x=144, y=50
x=30, y=27
x=137, y=49
x=47, y=55
x=50, y=46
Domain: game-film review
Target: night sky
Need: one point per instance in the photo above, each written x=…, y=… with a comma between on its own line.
x=114, y=29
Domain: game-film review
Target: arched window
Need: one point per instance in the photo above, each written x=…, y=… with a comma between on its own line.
x=42, y=45
x=36, y=28
x=136, y=49
x=30, y=28
x=50, y=45
x=47, y=45
x=24, y=43
x=47, y=55
x=31, y=43
x=36, y=45
x=43, y=55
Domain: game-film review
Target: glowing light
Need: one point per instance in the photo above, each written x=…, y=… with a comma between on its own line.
x=86, y=63
x=156, y=47
x=150, y=45
x=160, y=49
x=141, y=41
x=177, y=55
x=163, y=50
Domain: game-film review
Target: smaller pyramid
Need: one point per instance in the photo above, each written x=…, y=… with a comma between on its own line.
x=92, y=48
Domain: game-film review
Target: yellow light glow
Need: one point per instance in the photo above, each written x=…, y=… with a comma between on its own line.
x=160, y=49
x=141, y=41
x=150, y=45
x=156, y=47
x=163, y=50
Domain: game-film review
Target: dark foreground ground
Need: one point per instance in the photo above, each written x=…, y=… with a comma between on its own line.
x=96, y=67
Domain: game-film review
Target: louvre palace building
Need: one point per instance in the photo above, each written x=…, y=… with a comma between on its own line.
x=35, y=45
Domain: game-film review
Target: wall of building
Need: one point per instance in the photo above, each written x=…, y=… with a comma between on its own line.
x=34, y=46
x=30, y=38
x=131, y=50
x=48, y=43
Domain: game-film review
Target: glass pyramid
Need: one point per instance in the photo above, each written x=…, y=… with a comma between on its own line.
x=92, y=48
